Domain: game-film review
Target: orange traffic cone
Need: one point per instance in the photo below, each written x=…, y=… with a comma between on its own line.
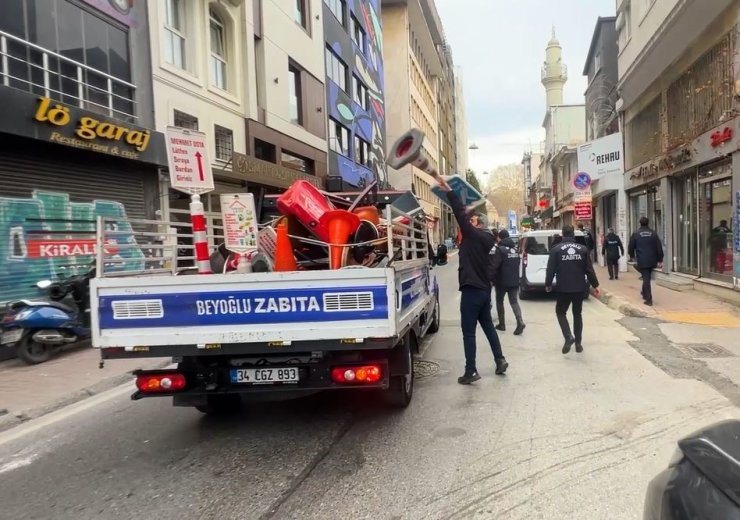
x=341, y=224
x=284, y=258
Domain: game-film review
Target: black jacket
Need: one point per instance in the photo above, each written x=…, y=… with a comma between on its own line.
x=475, y=267
x=612, y=248
x=588, y=238
x=569, y=261
x=645, y=247
x=506, y=261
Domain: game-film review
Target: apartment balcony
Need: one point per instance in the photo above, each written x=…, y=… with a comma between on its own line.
x=27, y=66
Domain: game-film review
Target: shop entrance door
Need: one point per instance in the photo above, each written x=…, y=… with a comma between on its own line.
x=685, y=226
x=715, y=222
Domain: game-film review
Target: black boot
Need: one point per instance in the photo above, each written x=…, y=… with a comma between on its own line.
x=568, y=343
x=501, y=326
x=501, y=366
x=519, y=328
x=468, y=378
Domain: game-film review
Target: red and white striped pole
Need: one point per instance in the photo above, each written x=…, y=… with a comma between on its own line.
x=200, y=238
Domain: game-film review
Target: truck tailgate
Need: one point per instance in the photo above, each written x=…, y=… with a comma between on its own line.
x=150, y=311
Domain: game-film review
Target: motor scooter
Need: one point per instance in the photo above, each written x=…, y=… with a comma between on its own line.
x=38, y=330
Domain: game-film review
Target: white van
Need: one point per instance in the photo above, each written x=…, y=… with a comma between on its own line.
x=534, y=247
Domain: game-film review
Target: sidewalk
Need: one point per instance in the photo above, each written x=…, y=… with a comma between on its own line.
x=692, y=307
x=30, y=391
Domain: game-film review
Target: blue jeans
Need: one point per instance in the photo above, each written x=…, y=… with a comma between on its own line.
x=475, y=307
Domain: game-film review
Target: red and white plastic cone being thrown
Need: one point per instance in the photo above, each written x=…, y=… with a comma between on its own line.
x=341, y=224
x=284, y=258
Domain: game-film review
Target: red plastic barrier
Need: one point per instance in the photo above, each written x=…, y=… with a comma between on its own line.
x=306, y=203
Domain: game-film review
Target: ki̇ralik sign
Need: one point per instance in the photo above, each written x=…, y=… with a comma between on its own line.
x=602, y=156
x=187, y=156
x=240, y=222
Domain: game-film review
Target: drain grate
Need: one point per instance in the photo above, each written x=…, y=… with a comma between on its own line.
x=424, y=368
x=704, y=350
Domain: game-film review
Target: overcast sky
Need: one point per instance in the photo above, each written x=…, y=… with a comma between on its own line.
x=500, y=47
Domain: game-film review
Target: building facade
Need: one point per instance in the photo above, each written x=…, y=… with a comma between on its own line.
x=679, y=82
x=414, y=60
x=250, y=76
x=355, y=94
x=78, y=135
x=602, y=120
x=565, y=128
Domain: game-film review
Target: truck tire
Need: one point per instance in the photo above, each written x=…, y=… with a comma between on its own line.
x=434, y=327
x=32, y=352
x=401, y=388
x=223, y=404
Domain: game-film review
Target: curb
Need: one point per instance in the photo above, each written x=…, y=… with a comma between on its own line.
x=11, y=419
x=621, y=305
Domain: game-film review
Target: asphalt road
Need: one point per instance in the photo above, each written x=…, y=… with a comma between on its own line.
x=572, y=437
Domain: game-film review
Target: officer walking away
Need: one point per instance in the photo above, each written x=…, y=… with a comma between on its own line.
x=612, y=250
x=506, y=261
x=569, y=261
x=588, y=238
x=475, y=286
x=645, y=248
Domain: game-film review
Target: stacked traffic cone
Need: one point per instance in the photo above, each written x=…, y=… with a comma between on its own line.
x=284, y=258
x=341, y=224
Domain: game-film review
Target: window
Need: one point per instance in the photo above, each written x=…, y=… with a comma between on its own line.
x=359, y=92
x=358, y=34
x=265, y=151
x=174, y=33
x=336, y=69
x=224, y=143
x=338, y=137
x=337, y=7
x=362, y=151
x=218, y=50
x=183, y=120
x=297, y=162
x=301, y=13
x=295, y=107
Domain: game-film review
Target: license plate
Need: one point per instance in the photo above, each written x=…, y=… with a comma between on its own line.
x=264, y=376
x=11, y=336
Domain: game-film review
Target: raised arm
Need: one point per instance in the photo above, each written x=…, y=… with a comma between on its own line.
x=463, y=220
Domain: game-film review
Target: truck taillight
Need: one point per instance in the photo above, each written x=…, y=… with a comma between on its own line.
x=365, y=374
x=162, y=382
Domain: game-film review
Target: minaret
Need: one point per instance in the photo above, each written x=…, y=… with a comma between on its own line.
x=554, y=72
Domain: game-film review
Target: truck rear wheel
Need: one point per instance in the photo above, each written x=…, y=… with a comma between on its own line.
x=223, y=404
x=401, y=388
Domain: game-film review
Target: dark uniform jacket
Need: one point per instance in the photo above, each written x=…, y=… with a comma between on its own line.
x=570, y=262
x=645, y=248
x=506, y=262
x=475, y=267
x=612, y=248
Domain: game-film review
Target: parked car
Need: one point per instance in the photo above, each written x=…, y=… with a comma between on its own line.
x=534, y=247
x=702, y=479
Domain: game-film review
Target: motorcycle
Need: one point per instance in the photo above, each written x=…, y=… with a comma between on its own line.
x=38, y=330
x=442, y=254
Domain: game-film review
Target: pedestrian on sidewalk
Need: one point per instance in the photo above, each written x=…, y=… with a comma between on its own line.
x=475, y=286
x=645, y=248
x=588, y=238
x=506, y=262
x=613, y=250
x=570, y=263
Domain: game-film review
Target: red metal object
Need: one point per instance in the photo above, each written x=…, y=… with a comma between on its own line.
x=306, y=203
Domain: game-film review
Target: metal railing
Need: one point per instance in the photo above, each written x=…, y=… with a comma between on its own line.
x=27, y=66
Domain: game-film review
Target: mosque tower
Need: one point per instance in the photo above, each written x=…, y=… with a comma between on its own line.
x=554, y=72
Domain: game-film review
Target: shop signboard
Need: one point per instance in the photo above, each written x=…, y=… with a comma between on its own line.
x=187, y=156
x=240, y=222
x=583, y=211
x=602, y=156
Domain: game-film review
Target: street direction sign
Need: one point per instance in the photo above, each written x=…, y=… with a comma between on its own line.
x=240, y=222
x=187, y=155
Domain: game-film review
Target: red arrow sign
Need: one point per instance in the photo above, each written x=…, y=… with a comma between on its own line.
x=199, y=157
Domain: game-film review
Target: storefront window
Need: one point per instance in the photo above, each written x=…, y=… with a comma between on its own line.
x=685, y=226
x=716, y=221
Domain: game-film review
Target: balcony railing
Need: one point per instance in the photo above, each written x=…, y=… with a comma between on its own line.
x=27, y=66
x=555, y=70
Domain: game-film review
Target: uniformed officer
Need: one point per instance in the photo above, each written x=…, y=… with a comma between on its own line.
x=506, y=262
x=613, y=250
x=646, y=249
x=571, y=264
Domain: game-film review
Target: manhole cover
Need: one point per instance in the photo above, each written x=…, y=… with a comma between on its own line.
x=424, y=368
x=702, y=350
